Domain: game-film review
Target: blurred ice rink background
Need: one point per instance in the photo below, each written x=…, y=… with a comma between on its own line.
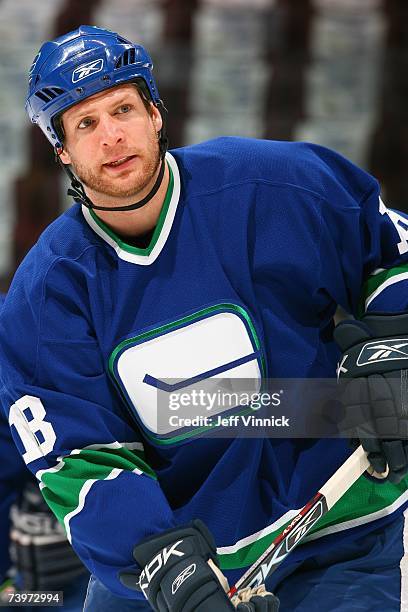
x=328, y=71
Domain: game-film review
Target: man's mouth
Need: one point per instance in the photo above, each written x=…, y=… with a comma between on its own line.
x=119, y=162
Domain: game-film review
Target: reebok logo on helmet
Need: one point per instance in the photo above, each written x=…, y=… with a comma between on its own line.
x=86, y=70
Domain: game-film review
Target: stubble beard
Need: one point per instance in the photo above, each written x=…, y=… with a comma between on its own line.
x=105, y=186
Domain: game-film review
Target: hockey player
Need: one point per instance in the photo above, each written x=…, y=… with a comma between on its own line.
x=228, y=257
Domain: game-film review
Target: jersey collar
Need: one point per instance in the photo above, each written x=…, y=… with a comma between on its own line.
x=131, y=253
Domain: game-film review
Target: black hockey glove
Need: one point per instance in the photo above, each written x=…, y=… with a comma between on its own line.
x=181, y=574
x=42, y=555
x=375, y=399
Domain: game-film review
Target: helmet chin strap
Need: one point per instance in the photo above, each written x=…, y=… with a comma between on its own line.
x=77, y=190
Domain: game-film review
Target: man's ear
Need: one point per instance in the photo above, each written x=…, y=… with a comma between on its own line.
x=157, y=118
x=64, y=157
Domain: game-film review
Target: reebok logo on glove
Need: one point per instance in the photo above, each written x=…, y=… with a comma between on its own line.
x=373, y=352
x=182, y=577
x=157, y=563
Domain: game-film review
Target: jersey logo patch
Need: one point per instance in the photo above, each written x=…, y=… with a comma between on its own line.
x=374, y=352
x=86, y=70
x=208, y=355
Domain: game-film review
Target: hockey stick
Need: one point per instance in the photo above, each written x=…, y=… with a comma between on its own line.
x=303, y=522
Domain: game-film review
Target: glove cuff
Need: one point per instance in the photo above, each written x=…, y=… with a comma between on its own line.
x=196, y=534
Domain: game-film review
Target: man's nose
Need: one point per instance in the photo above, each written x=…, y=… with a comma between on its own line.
x=110, y=130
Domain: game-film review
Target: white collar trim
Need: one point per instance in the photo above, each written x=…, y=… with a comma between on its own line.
x=127, y=255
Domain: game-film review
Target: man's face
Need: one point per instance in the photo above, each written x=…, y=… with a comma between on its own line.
x=111, y=142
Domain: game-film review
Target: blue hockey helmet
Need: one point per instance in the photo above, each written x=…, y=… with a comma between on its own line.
x=78, y=65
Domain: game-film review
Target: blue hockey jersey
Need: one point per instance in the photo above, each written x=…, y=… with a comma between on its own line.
x=256, y=245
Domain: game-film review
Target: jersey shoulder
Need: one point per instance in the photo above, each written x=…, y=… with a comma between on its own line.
x=226, y=161
x=65, y=240
x=67, y=237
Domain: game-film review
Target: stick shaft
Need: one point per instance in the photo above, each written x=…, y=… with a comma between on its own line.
x=303, y=522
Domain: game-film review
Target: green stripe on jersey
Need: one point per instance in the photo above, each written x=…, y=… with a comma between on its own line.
x=379, y=281
x=360, y=503
x=63, y=486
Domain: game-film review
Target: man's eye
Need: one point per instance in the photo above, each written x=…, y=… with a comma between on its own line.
x=125, y=108
x=85, y=123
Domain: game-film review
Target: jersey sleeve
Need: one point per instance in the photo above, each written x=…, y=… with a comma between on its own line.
x=321, y=236
x=363, y=244
x=69, y=425
x=386, y=289
x=365, y=269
